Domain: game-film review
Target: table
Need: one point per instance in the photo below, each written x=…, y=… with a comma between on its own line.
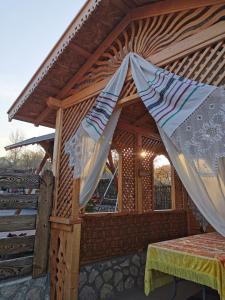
x=199, y=258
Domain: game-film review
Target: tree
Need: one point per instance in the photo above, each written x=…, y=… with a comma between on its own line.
x=25, y=158
x=14, y=154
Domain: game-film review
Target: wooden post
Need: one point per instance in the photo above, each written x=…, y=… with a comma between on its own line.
x=65, y=252
x=73, y=249
x=173, y=188
x=41, y=245
x=56, y=154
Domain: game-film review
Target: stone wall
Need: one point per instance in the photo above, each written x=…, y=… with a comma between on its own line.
x=25, y=289
x=102, y=280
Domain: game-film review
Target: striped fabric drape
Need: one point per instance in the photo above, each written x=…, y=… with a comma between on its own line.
x=169, y=98
x=181, y=108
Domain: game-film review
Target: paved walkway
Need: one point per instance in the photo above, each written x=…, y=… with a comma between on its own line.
x=185, y=289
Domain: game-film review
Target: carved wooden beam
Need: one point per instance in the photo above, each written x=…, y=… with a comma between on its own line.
x=54, y=103
x=131, y=128
x=42, y=116
x=163, y=7
x=169, y=6
x=187, y=46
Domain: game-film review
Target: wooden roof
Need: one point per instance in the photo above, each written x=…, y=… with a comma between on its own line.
x=67, y=57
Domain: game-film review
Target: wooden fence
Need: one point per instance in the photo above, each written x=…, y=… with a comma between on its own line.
x=24, y=239
x=162, y=197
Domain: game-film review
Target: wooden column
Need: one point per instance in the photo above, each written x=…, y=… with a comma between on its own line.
x=65, y=252
x=65, y=234
x=56, y=154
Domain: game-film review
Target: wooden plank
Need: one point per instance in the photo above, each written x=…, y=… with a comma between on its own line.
x=169, y=6
x=16, y=267
x=16, y=245
x=17, y=223
x=41, y=247
x=13, y=180
x=12, y=201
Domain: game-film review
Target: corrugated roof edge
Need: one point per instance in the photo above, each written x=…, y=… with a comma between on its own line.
x=31, y=141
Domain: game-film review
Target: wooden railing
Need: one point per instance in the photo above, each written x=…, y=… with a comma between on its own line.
x=24, y=238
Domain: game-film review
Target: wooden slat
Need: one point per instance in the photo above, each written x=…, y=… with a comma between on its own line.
x=181, y=49
x=14, y=180
x=169, y=6
x=41, y=246
x=12, y=201
x=17, y=223
x=16, y=245
x=16, y=267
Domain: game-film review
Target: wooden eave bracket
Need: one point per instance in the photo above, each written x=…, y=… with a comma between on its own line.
x=52, y=104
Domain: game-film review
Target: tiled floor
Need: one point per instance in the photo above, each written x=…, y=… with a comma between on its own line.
x=185, y=289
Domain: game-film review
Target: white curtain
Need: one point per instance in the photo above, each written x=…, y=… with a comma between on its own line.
x=207, y=192
x=92, y=171
x=88, y=157
x=191, y=120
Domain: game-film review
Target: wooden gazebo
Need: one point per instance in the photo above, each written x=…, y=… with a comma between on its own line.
x=184, y=37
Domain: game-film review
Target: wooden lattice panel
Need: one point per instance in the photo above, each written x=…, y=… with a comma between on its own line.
x=151, y=148
x=71, y=120
x=125, y=144
x=206, y=65
x=151, y=35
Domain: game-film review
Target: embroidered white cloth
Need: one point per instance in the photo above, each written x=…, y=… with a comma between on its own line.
x=191, y=120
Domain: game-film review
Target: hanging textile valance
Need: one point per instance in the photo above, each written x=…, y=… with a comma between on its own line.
x=191, y=121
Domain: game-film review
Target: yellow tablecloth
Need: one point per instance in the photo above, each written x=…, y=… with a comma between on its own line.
x=198, y=258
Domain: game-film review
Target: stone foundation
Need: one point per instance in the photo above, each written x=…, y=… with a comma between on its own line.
x=25, y=289
x=102, y=280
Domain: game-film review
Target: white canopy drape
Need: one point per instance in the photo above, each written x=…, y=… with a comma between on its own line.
x=191, y=121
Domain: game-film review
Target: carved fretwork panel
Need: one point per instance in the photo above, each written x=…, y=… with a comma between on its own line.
x=206, y=65
x=151, y=35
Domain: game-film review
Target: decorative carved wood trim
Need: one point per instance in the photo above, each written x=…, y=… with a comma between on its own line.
x=181, y=49
x=173, y=10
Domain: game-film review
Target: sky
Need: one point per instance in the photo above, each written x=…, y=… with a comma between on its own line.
x=28, y=31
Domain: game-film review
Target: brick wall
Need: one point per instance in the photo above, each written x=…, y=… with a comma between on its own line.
x=107, y=235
